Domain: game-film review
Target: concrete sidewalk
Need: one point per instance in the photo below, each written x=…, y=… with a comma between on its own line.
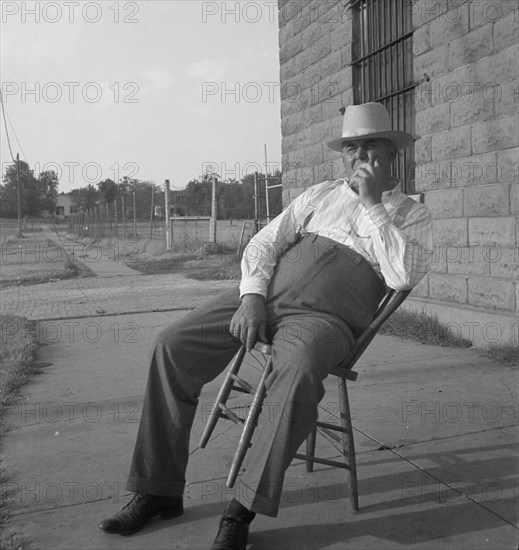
x=436, y=438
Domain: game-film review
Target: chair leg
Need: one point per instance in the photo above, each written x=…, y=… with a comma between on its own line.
x=250, y=425
x=348, y=443
x=310, y=449
x=222, y=397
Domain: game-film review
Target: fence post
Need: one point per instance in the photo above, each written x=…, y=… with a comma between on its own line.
x=167, y=215
x=151, y=210
x=124, y=219
x=115, y=219
x=134, y=218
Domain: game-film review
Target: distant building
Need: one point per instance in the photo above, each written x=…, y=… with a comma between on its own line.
x=448, y=73
x=65, y=206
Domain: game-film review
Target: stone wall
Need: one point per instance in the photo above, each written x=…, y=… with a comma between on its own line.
x=467, y=156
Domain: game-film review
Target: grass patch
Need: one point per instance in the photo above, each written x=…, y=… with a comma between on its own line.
x=506, y=355
x=422, y=327
x=17, y=363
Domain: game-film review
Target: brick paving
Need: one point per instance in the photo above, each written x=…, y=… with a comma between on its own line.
x=116, y=289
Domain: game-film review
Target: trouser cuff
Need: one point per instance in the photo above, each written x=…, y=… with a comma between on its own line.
x=157, y=487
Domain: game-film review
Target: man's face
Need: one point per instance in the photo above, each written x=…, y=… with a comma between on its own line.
x=356, y=153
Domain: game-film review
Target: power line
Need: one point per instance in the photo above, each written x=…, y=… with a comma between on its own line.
x=5, y=124
x=6, y=118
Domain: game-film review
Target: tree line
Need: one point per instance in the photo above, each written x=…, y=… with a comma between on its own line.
x=235, y=199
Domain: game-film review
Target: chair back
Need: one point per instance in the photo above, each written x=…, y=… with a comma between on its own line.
x=388, y=306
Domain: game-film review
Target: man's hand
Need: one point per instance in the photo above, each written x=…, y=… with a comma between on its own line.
x=369, y=180
x=249, y=323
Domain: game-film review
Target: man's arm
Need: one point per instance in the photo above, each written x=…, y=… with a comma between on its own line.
x=403, y=252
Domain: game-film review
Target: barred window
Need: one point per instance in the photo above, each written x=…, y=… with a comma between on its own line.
x=383, y=68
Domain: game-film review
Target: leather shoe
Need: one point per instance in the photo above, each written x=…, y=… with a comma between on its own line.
x=138, y=512
x=232, y=534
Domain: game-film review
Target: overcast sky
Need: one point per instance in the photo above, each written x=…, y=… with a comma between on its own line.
x=152, y=89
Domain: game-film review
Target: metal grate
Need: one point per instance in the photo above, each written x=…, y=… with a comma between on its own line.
x=383, y=68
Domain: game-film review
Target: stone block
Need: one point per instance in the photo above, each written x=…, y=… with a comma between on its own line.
x=470, y=47
x=421, y=290
x=421, y=40
x=446, y=203
x=423, y=150
x=452, y=144
x=450, y=230
x=505, y=97
x=504, y=262
x=448, y=288
x=448, y=26
x=507, y=165
x=471, y=108
x=286, y=32
x=433, y=175
x=312, y=115
x=477, y=169
x=506, y=31
x=312, y=33
x=443, y=88
x=492, y=135
x=426, y=10
x=492, y=230
x=331, y=110
x=331, y=64
x=296, y=160
x=291, y=124
x=312, y=75
x=491, y=293
x=433, y=120
x=319, y=49
x=467, y=260
x=304, y=138
x=437, y=262
x=320, y=132
x=496, y=68
x=432, y=62
x=487, y=200
x=331, y=155
x=288, y=144
x=302, y=20
x=313, y=155
x=345, y=56
x=328, y=171
x=514, y=199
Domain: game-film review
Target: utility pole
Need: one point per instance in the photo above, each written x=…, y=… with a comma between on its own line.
x=19, y=192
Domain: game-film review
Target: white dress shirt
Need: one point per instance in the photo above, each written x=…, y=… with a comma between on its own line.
x=396, y=247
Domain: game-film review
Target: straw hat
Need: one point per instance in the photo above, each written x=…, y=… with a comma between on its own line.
x=369, y=120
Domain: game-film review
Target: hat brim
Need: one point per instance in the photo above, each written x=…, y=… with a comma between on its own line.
x=400, y=140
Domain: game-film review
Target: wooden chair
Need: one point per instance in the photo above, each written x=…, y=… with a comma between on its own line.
x=233, y=382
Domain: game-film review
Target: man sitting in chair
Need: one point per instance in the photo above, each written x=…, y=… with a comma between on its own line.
x=311, y=282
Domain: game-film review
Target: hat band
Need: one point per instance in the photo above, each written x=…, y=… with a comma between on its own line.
x=363, y=132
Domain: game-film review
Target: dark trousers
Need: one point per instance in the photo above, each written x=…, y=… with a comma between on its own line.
x=308, y=340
